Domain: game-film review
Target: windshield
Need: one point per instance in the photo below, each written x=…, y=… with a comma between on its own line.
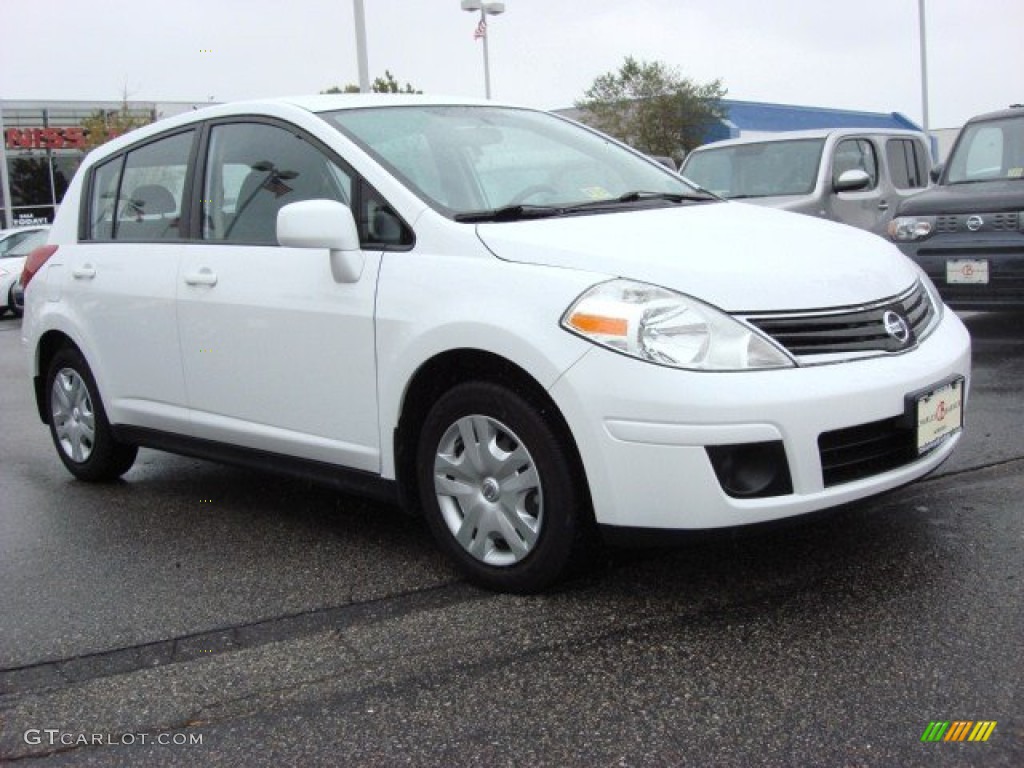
x=765, y=169
x=463, y=159
x=989, y=150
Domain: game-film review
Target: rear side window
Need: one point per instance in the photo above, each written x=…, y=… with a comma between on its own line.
x=253, y=170
x=907, y=163
x=139, y=196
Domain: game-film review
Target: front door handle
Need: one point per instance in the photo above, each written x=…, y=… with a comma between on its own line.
x=883, y=205
x=204, y=276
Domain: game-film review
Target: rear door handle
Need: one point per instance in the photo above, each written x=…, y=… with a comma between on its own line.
x=84, y=272
x=204, y=276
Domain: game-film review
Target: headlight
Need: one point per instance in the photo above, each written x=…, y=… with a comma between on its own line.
x=909, y=228
x=668, y=328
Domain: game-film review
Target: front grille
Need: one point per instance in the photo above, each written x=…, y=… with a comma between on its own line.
x=858, y=452
x=997, y=222
x=851, y=332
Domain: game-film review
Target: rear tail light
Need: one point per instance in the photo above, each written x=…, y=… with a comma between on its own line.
x=34, y=262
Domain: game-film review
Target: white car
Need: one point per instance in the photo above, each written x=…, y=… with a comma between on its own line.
x=511, y=324
x=15, y=245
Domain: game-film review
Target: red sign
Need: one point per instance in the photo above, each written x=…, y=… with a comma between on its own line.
x=45, y=138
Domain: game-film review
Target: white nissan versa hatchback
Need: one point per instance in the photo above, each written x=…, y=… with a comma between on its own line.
x=510, y=323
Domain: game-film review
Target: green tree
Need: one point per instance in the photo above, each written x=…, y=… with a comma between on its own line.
x=386, y=84
x=104, y=125
x=650, y=106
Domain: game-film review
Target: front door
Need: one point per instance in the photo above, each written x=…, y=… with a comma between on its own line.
x=277, y=356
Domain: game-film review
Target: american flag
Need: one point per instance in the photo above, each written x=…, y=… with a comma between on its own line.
x=481, y=30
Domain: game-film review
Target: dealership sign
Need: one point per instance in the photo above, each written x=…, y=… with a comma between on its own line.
x=45, y=138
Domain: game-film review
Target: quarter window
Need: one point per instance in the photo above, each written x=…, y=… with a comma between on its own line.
x=253, y=170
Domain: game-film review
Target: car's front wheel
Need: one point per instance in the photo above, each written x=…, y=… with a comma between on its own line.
x=498, y=488
x=78, y=422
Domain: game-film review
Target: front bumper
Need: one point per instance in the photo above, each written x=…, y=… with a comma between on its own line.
x=643, y=430
x=1002, y=252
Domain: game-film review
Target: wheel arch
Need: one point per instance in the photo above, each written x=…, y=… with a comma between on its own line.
x=448, y=369
x=50, y=343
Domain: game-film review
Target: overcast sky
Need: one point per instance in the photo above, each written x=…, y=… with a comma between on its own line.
x=853, y=54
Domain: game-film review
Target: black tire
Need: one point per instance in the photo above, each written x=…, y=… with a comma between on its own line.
x=16, y=311
x=78, y=422
x=551, y=511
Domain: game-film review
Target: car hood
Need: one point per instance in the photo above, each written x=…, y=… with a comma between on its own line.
x=738, y=257
x=978, y=197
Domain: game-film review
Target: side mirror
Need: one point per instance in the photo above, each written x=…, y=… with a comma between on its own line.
x=324, y=224
x=936, y=172
x=851, y=180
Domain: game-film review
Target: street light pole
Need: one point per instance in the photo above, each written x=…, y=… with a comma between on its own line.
x=360, y=20
x=924, y=67
x=485, y=8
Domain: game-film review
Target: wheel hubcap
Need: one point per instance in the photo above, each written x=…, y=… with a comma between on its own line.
x=74, y=421
x=488, y=490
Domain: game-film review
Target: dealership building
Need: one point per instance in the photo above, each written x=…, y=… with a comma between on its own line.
x=44, y=143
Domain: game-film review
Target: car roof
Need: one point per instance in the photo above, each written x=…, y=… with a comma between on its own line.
x=818, y=133
x=1017, y=110
x=283, y=106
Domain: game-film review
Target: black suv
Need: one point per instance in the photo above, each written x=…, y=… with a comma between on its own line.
x=967, y=232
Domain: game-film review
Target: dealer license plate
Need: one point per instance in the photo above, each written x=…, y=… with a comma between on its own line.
x=970, y=271
x=939, y=413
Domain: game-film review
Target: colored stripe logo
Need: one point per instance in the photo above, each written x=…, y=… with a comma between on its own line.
x=958, y=730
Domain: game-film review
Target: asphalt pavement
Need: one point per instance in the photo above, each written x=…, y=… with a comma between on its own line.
x=194, y=614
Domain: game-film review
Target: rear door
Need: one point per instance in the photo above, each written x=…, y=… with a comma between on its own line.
x=907, y=164
x=121, y=279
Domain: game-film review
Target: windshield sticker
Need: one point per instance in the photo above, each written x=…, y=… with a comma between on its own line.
x=1016, y=173
x=596, y=193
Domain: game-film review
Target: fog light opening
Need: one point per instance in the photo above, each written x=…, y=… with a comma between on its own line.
x=752, y=470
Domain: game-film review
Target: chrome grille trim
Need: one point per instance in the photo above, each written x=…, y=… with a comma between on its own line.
x=843, y=334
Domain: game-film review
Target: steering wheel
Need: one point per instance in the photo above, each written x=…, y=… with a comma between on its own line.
x=530, y=191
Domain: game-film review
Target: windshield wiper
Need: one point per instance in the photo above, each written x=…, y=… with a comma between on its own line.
x=674, y=197
x=519, y=212
x=639, y=196
x=511, y=213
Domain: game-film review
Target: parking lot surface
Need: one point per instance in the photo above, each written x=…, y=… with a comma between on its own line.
x=277, y=622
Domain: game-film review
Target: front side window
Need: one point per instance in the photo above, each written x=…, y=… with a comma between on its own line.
x=855, y=155
x=465, y=159
x=761, y=169
x=255, y=169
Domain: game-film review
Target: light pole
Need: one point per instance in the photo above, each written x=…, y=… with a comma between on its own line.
x=486, y=9
x=924, y=66
x=360, y=24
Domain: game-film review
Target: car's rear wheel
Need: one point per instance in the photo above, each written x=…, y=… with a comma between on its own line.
x=78, y=422
x=498, y=489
